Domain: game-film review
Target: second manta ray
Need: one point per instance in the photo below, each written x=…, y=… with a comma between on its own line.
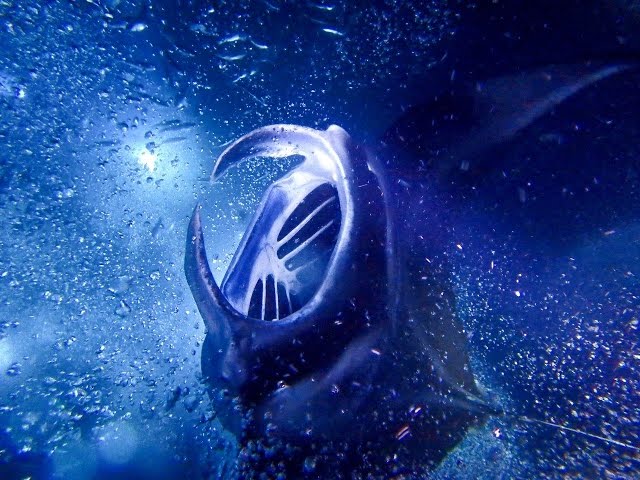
x=334, y=336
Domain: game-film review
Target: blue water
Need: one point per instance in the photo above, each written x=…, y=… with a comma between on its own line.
x=112, y=114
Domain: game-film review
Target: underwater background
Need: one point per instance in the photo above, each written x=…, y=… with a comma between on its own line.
x=112, y=114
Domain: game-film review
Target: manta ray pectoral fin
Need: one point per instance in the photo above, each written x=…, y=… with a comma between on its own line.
x=457, y=127
x=504, y=106
x=226, y=327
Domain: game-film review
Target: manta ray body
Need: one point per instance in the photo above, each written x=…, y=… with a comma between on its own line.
x=333, y=341
x=333, y=324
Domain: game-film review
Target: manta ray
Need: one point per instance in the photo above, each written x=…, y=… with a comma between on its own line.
x=334, y=346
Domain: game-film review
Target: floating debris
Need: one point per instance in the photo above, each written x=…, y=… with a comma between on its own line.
x=555, y=138
x=172, y=397
x=107, y=143
x=318, y=21
x=123, y=309
x=522, y=195
x=171, y=140
x=261, y=46
x=271, y=6
x=14, y=370
x=403, y=432
x=319, y=6
x=155, y=232
x=138, y=27
x=237, y=79
x=232, y=39
x=333, y=31
x=120, y=285
x=198, y=27
x=173, y=126
x=232, y=58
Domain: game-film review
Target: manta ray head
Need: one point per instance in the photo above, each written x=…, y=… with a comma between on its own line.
x=308, y=285
x=329, y=324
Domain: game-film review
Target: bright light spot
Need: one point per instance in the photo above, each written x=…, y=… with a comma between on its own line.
x=147, y=159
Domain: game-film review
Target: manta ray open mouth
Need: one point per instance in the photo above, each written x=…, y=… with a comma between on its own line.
x=296, y=260
x=286, y=249
x=313, y=255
